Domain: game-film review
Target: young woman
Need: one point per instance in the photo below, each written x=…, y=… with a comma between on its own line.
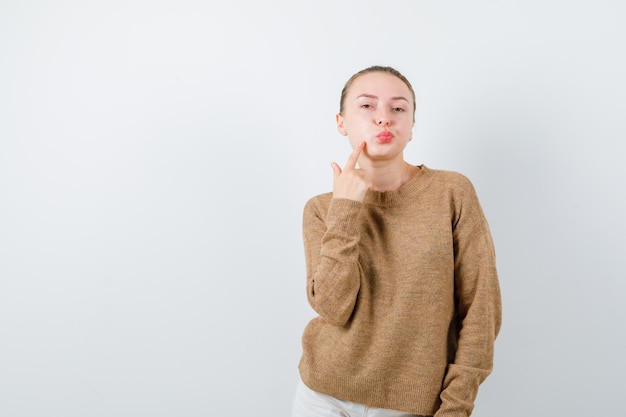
x=401, y=270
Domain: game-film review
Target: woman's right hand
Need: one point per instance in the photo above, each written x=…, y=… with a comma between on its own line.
x=350, y=182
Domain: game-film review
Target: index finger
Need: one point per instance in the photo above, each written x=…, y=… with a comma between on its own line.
x=354, y=156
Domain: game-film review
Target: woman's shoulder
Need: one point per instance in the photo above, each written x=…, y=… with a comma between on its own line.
x=318, y=202
x=320, y=198
x=449, y=179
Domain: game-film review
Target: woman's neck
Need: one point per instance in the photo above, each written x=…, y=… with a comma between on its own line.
x=389, y=176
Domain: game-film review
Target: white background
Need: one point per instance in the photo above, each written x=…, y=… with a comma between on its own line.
x=155, y=157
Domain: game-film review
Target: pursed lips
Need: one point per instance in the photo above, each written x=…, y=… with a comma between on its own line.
x=385, y=136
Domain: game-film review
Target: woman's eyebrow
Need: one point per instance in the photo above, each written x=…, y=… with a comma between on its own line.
x=376, y=97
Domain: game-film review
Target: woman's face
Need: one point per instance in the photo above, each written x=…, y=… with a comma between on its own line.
x=378, y=109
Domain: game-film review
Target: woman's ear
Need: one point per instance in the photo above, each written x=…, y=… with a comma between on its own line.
x=341, y=128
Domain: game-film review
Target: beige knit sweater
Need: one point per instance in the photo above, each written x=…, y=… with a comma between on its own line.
x=407, y=293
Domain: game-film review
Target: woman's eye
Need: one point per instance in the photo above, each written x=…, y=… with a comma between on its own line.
x=398, y=109
x=366, y=106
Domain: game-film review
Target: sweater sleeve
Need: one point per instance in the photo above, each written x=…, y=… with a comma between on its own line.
x=478, y=308
x=331, y=252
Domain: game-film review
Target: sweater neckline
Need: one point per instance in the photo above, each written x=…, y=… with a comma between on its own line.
x=407, y=192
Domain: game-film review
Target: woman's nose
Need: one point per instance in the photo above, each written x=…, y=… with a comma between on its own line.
x=383, y=120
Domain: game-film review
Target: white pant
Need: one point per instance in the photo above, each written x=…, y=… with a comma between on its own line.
x=309, y=403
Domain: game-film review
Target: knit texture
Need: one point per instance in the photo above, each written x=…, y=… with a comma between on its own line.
x=407, y=293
